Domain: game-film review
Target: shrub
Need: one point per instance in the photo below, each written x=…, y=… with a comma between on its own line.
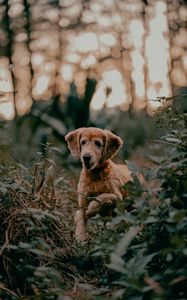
x=35, y=239
x=139, y=254
x=145, y=248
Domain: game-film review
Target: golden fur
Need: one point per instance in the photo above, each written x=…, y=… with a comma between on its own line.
x=101, y=180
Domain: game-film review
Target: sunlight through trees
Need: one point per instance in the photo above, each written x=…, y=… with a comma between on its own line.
x=134, y=49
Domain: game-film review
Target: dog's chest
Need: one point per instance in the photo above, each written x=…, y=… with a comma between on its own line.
x=97, y=183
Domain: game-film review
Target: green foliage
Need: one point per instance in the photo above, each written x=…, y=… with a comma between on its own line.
x=173, y=171
x=138, y=254
x=145, y=244
x=33, y=233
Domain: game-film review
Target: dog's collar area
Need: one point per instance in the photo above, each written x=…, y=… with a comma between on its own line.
x=101, y=166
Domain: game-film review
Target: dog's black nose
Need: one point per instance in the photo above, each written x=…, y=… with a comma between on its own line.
x=87, y=158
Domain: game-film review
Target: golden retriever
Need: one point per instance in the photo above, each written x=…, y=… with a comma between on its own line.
x=101, y=180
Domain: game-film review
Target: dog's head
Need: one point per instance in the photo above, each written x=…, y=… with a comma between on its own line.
x=93, y=145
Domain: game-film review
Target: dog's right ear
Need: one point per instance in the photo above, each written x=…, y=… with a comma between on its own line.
x=72, y=138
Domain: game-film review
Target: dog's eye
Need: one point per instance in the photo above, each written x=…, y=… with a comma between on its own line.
x=98, y=144
x=83, y=142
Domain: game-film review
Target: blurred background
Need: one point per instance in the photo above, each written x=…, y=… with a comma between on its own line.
x=71, y=63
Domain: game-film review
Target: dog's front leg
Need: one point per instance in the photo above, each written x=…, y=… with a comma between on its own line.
x=80, y=221
x=80, y=225
x=95, y=206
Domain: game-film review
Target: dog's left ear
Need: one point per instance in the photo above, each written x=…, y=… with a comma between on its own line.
x=72, y=138
x=113, y=144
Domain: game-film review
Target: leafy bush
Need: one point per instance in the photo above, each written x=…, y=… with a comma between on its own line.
x=39, y=257
x=139, y=254
x=34, y=236
x=145, y=247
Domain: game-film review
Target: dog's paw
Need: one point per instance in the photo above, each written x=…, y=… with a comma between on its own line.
x=96, y=206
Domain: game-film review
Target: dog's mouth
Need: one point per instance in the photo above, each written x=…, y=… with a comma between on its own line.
x=88, y=165
x=88, y=161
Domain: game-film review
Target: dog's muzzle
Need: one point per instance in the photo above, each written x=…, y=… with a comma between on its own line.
x=87, y=161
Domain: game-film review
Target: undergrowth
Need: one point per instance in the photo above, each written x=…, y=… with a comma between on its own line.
x=39, y=258
x=146, y=247
x=139, y=254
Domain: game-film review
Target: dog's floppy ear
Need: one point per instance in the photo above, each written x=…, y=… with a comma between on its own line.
x=72, y=138
x=112, y=145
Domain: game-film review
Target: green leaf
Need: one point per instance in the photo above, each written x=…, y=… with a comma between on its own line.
x=37, y=252
x=177, y=216
x=156, y=159
x=3, y=190
x=126, y=240
x=173, y=140
x=117, y=263
x=119, y=294
x=13, y=247
x=150, y=219
x=24, y=245
x=142, y=262
x=22, y=167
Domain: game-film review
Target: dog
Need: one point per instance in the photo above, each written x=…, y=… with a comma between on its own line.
x=101, y=181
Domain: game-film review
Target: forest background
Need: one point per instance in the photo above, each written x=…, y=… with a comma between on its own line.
x=119, y=65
